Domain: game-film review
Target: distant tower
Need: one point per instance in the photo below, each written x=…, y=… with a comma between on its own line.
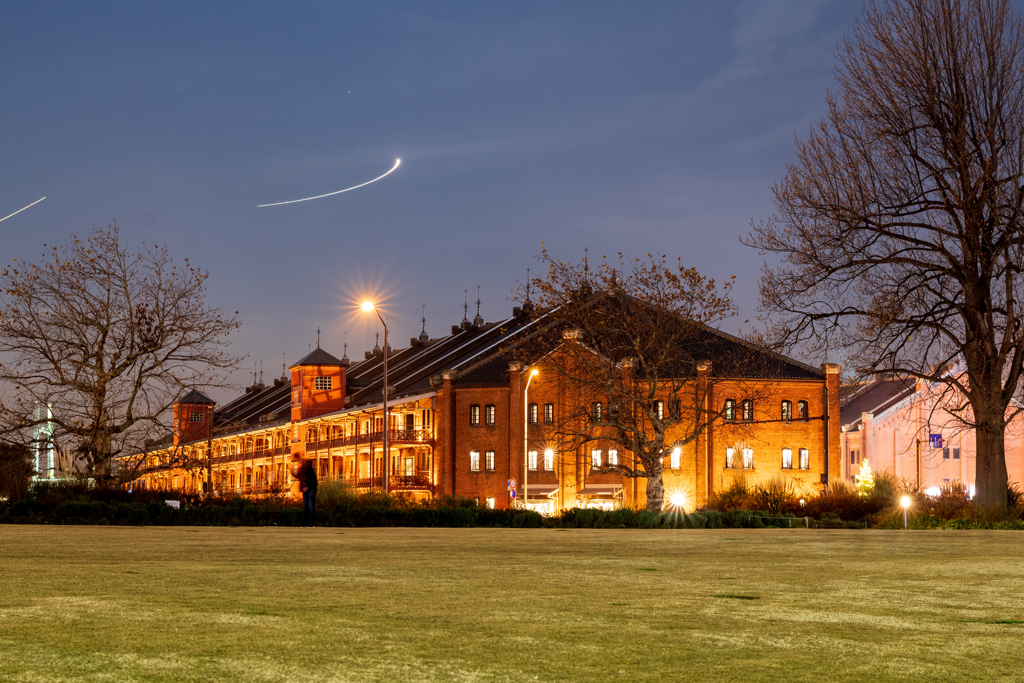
x=42, y=438
x=344, y=358
x=424, y=337
x=465, y=310
x=528, y=304
x=478, y=321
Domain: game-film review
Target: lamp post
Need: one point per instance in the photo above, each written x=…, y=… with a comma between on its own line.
x=526, y=445
x=368, y=306
x=905, y=502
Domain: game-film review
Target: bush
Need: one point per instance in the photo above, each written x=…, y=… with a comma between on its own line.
x=773, y=495
x=735, y=496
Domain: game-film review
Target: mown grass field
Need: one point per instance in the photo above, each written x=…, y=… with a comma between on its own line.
x=328, y=604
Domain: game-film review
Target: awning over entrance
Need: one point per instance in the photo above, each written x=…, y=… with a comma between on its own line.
x=542, y=490
x=600, y=490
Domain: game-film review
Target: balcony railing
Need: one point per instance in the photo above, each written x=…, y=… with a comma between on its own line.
x=395, y=436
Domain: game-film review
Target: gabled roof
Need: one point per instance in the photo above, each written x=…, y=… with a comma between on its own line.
x=195, y=398
x=874, y=397
x=318, y=357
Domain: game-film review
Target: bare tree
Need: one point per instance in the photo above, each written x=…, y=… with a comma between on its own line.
x=899, y=225
x=635, y=369
x=108, y=339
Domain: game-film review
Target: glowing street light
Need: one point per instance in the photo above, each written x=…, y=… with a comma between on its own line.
x=369, y=306
x=905, y=502
x=526, y=426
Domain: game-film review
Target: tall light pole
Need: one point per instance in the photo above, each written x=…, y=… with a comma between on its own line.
x=526, y=445
x=368, y=306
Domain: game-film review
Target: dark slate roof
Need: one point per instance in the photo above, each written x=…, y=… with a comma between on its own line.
x=874, y=396
x=195, y=398
x=318, y=357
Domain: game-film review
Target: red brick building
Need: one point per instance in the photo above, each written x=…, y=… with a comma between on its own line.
x=461, y=423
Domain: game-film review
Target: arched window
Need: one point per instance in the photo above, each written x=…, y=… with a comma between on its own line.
x=730, y=409
x=787, y=458
x=801, y=410
x=787, y=410
x=748, y=410
x=489, y=414
x=549, y=413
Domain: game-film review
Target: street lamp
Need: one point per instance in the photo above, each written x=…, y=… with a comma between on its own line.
x=526, y=446
x=905, y=502
x=368, y=306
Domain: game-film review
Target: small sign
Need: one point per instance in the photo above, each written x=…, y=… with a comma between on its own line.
x=176, y=504
x=936, y=440
x=511, y=483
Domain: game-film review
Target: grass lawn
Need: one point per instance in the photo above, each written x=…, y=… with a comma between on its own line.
x=275, y=604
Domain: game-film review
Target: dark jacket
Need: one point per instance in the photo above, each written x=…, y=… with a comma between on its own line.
x=307, y=475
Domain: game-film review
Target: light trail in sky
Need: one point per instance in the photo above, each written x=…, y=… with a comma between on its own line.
x=320, y=196
x=39, y=200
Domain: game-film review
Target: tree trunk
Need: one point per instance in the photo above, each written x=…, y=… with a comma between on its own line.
x=990, y=464
x=655, y=488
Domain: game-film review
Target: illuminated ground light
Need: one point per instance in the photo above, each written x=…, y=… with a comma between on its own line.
x=677, y=500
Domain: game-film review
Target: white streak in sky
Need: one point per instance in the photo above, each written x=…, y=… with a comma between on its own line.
x=320, y=196
x=39, y=200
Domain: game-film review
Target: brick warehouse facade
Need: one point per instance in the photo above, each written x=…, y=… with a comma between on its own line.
x=457, y=417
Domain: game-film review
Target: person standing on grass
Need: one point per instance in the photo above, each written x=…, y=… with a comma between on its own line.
x=305, y=472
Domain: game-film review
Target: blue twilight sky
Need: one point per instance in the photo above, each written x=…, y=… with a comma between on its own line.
x=618, y=126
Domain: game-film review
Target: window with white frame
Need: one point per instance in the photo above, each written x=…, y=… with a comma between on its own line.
x=787, y=458
x=474, y=414
x=489, y=413
x=805, y=459
x=474, y=461
x=549, y=460
x=197, y=416
x=489, y=461
x=676, y=455
x=532, y=460
x=613, y=457
x=533, y=413
x=549, y=413
x=730, y=458
x=595, y=458
x=748, y=458
x=322, y=383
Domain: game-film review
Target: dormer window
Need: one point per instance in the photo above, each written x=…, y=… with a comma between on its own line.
x=197, y=416
x=323, y=383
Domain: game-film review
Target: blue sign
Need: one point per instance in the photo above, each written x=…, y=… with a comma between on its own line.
x=936, y=440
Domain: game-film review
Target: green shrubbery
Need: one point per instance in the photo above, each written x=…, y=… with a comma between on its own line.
x=774, y=504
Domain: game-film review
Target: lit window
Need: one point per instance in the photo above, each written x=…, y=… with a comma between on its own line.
x=805, y=459
x=197, y=416
x=549, y=412
x=676, y=454
x=490, y=503
x=956, y=452
x=595, y=458
x=729, y=458
x=730, y=409
x=748, y=410
x=659, y=408
x=489, y=413
x=598, y=412
x=489, y=461
x=748, y=458
x=474, y=415
x=533, y=413
x=787, y=410
x=613, y=457
x=549, y=460
x=801, y=410
x=323, y=383
x=787, y=458
x=474, y=461
x=532, y=460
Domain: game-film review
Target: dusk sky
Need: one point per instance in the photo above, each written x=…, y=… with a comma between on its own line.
x=617, y=126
